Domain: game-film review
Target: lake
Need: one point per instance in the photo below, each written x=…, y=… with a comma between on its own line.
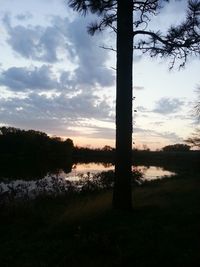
x=149, y=172
x=81, y=174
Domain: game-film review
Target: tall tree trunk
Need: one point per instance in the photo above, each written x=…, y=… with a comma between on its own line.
x=122, y=195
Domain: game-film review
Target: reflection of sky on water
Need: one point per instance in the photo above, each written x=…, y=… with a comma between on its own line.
x=92, y=166
x=79, y=171
x=149, y=173
x=153, y=173
x=82, y=168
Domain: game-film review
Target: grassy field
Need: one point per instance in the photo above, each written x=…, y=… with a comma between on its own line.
x=162, y=230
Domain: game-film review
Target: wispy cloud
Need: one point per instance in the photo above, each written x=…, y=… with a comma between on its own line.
x=24, y=16
x=56, y=112
x=149, y=135
x=168, y=105
x=138, y=88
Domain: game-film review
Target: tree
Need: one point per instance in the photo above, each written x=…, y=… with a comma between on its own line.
x=29, y=144
x=197, y=106
x=176, y=148
x=107, y=148
x=194, y=140
x=177, y=43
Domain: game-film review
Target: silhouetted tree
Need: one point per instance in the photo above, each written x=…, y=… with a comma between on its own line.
x=107, y=148
x=194, y=140
x=197, y=106
x=176, y=148
x=178, y=43
x=17, y=143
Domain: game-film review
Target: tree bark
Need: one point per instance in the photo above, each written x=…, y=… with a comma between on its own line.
x=122, y=194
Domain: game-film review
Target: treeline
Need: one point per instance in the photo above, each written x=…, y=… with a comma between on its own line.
x=173, y=156
x=108, y=152
x=94, y=154
x=30, y=144
x=176, y=148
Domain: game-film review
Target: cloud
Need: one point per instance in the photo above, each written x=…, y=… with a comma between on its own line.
x=44, y=78
x=63, y=40
x=24, y=16
x=91, y=59
x=34, y=78
x=150, y=135
x=167, y=106
x=35, y=42
x=103, y=132
x=138, y=88
x=142, y=109
x=186, y=117
x=158, y=123
x=55, y=113
x=172, y=137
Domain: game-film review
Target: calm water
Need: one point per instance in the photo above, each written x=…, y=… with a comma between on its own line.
x=62, y=181
x=149, y=173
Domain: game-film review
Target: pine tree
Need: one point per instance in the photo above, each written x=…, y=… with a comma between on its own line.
x=177, y=43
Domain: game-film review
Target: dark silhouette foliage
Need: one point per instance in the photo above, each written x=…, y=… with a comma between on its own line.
x=17, y=143
x=85, y=154
x=194, y=140
x=176, y=148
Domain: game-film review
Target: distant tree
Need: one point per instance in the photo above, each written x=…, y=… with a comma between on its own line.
x=146, y=148
x=69, y=142
x=197, y=106
x=178, y=43
x=194, y=140
x=107, y=148
x=176, y=148
x=56, y=138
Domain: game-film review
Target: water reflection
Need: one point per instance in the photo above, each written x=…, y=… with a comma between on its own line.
x=69, y=171
x=83, y=176
x=33, y=169
x=153, y=172
x=149, y=172
x=84, y=168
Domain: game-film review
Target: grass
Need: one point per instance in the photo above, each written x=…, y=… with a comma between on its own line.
x=162, y=230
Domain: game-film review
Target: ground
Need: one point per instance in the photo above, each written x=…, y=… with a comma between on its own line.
x=162, y=230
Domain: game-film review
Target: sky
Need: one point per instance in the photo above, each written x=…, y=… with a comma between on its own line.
x=56, y=78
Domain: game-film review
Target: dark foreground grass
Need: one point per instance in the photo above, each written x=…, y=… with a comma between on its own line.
x=162, y=230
